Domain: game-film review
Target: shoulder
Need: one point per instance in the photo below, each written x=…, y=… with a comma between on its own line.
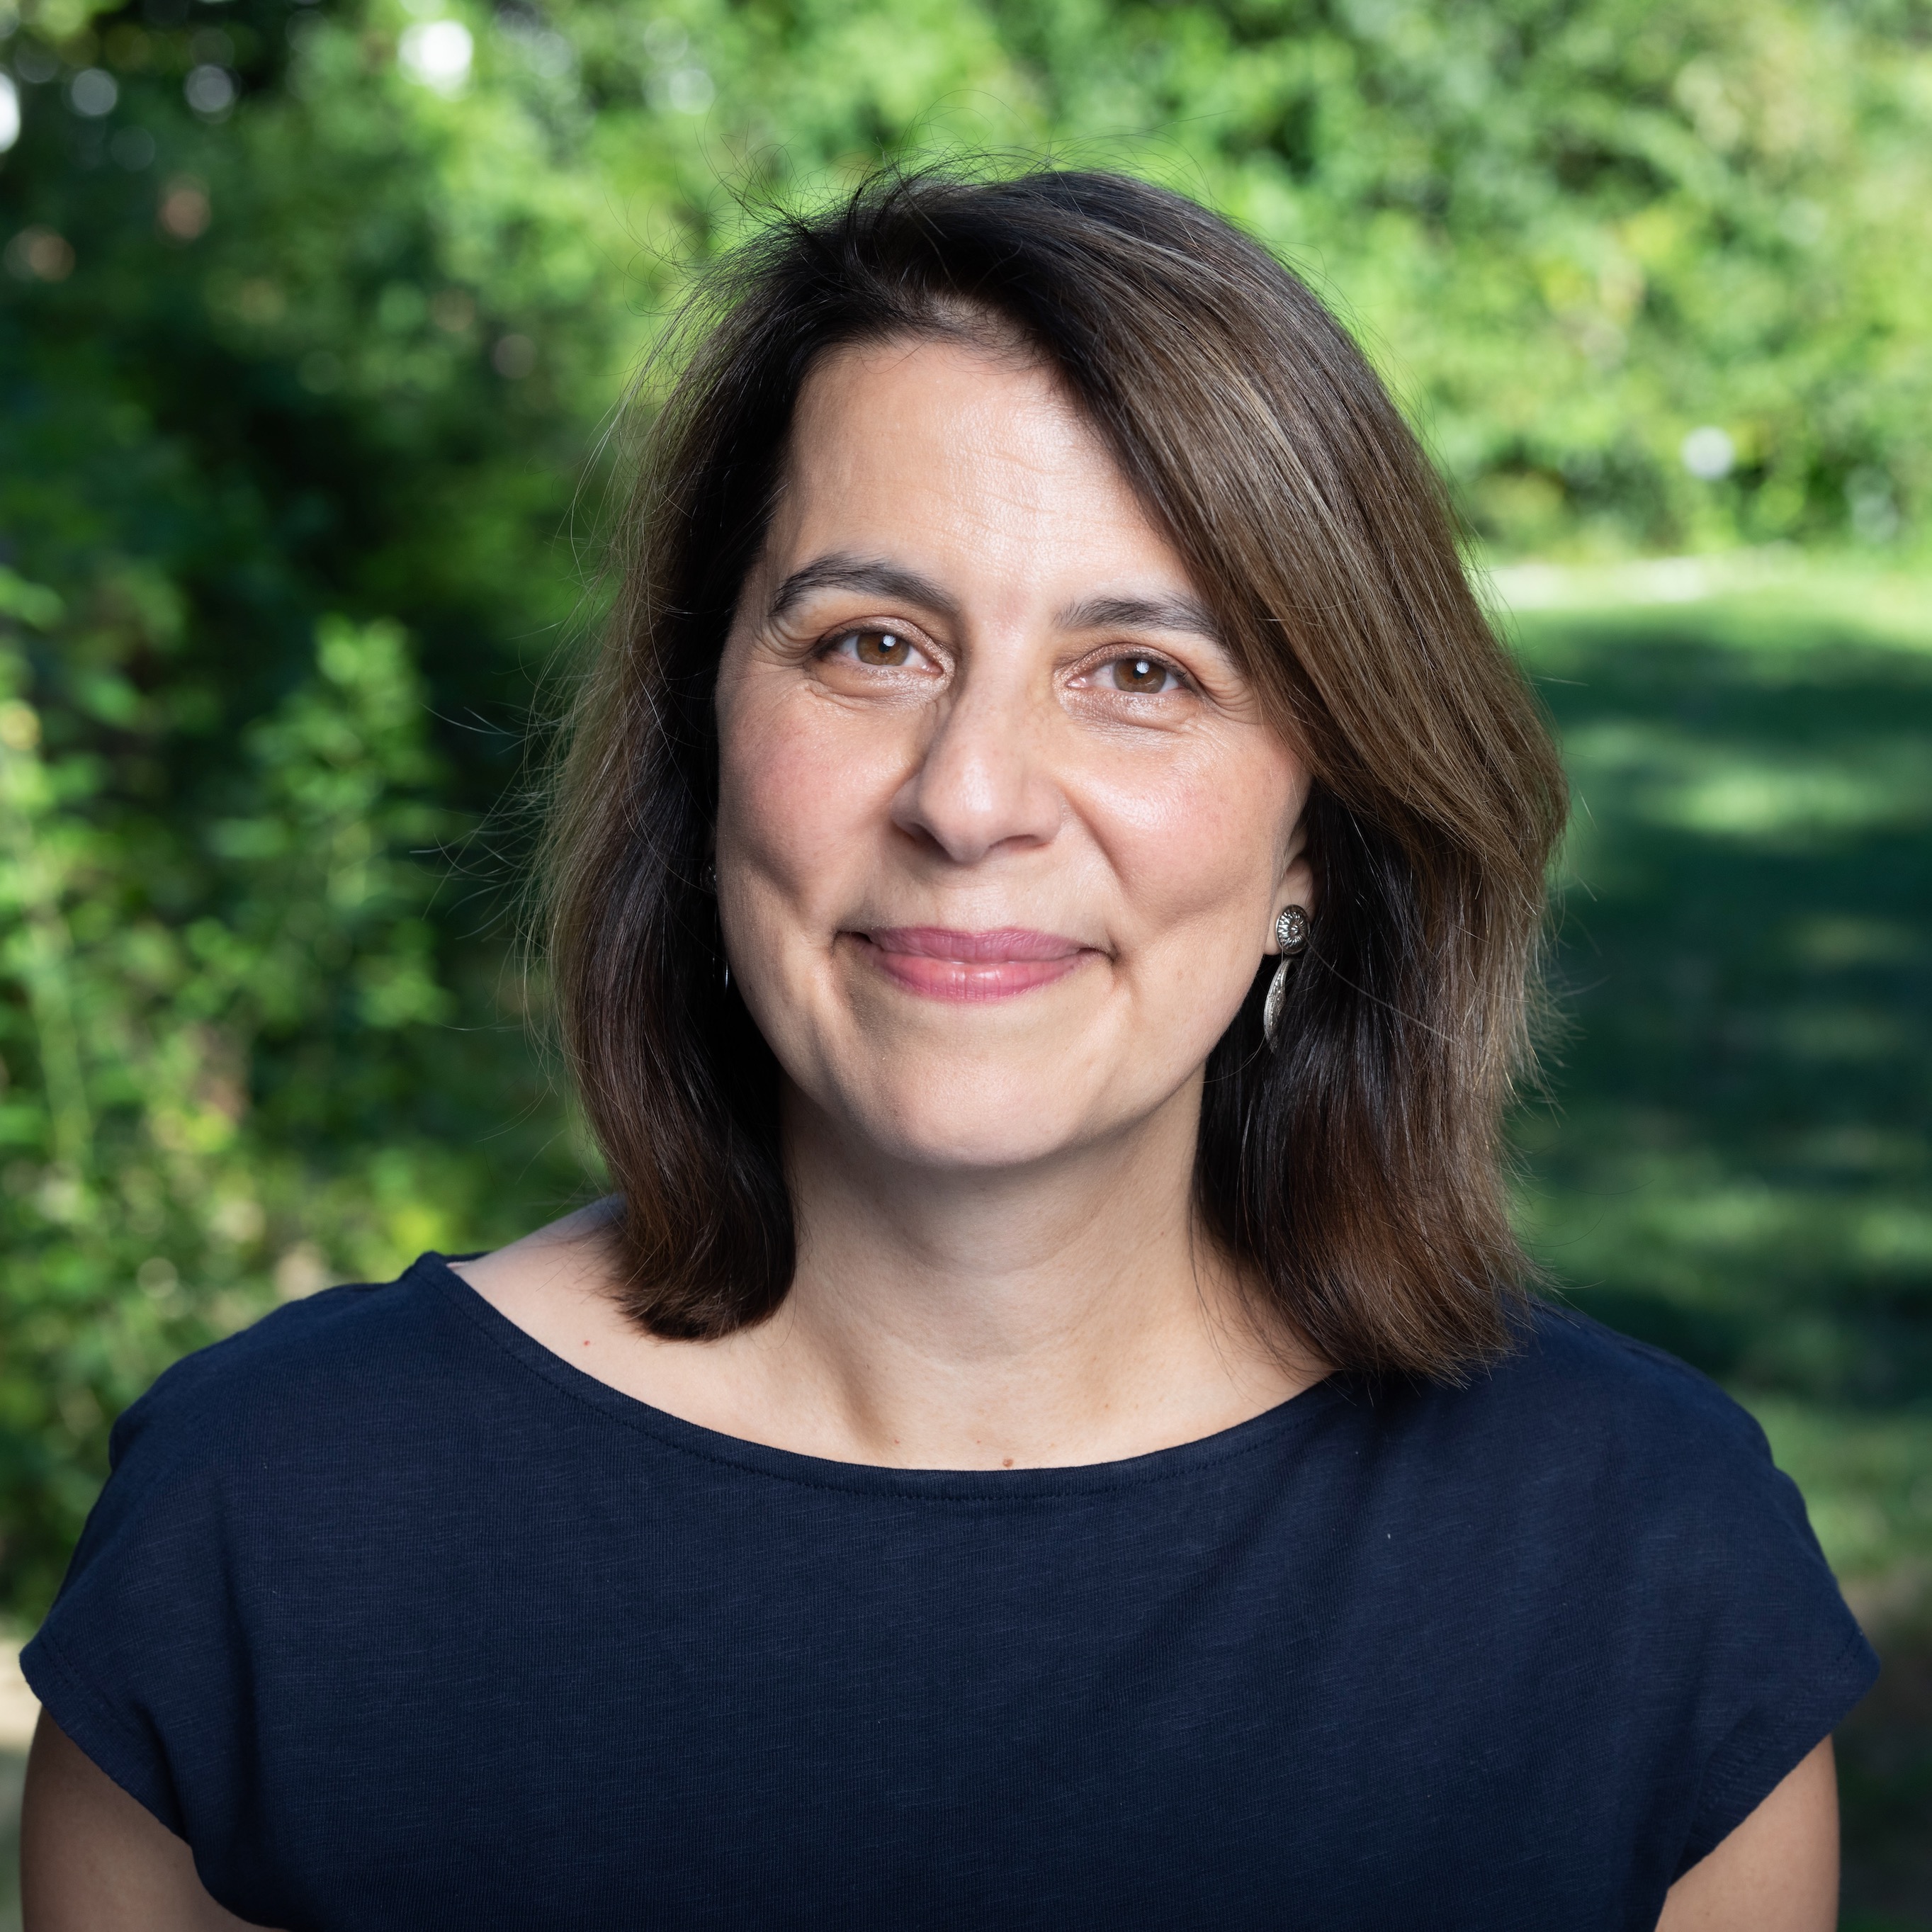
x=1577, y=1376
x=234, y=1452
x=395, y=1373
x=1587, y=1470
x=313, y=1367
x=249, y=1478
x=1642, y=1472
x=1577, y=1416
x=1648, y=1497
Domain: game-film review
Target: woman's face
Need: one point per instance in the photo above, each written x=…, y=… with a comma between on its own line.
x=1002, y=831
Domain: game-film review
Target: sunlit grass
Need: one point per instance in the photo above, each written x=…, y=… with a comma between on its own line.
x=1867, y=1482
x=1670, y=777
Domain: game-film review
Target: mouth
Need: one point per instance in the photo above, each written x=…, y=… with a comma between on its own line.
x=941, y=963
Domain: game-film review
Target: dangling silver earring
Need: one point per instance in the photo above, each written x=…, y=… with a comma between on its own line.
x=1291, y=934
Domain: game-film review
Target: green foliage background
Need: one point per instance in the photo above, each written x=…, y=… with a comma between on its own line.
x=303, y=391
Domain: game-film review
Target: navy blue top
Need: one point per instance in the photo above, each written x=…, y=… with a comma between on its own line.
x=403, y=1622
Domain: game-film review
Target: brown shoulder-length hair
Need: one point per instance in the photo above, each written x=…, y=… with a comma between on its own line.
x=1355, y=1173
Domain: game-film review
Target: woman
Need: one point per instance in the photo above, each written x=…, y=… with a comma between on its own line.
x=1047, y=1429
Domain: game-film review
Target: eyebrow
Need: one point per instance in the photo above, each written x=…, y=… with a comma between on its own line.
x=869, y=577
x=1142, y=614
x=875, y=577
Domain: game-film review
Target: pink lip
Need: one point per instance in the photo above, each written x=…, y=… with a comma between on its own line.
x=944, y=965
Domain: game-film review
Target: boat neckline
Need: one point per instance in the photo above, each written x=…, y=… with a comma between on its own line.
x=1286, y=1418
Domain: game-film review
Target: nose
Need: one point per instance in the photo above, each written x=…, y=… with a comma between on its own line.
x=984, y=781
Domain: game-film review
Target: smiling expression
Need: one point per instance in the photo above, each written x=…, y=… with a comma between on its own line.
x=1002, y=829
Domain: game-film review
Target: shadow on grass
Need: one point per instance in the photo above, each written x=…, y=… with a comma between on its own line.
x=1733, y=1161
x=1885, y=1779
x=1736, y=1163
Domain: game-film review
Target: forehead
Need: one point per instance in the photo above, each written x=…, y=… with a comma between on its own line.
x=971, y=458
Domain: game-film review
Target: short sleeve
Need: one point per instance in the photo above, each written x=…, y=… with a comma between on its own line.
x=1778, y=1729
x=1779, y=1660
x=145, y=1660
x=137, y=1661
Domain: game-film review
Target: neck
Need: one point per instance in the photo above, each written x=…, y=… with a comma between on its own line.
x=1068, y=1311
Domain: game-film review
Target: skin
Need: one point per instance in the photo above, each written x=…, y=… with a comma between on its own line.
x=969, y=687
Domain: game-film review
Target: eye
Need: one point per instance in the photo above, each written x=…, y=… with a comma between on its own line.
x=1146, y=677
x=881, y=649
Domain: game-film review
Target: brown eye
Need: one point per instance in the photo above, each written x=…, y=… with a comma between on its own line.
x=885, y=649
x=1145, y=675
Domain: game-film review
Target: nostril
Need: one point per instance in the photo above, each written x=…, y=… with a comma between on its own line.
x=982, y=784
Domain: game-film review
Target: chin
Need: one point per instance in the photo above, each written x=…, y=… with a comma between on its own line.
x=966, y=1115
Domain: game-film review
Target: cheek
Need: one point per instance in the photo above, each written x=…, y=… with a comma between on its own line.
x=1199, y=849
x=797, y=798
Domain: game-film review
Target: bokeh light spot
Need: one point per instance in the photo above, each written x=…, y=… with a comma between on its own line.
x=436, y=54
x=92, y=92
x=210, y=91
x=184, y=212
x=514, y=356
x=452, y=310
x=1708, y=453
x=37, y=254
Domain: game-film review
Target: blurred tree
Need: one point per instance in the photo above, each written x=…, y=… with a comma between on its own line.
x=321, y=308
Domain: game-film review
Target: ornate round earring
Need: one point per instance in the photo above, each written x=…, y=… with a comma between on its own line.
x=1290, y=935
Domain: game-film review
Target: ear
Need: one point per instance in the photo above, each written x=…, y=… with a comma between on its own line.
x=1296, y=884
